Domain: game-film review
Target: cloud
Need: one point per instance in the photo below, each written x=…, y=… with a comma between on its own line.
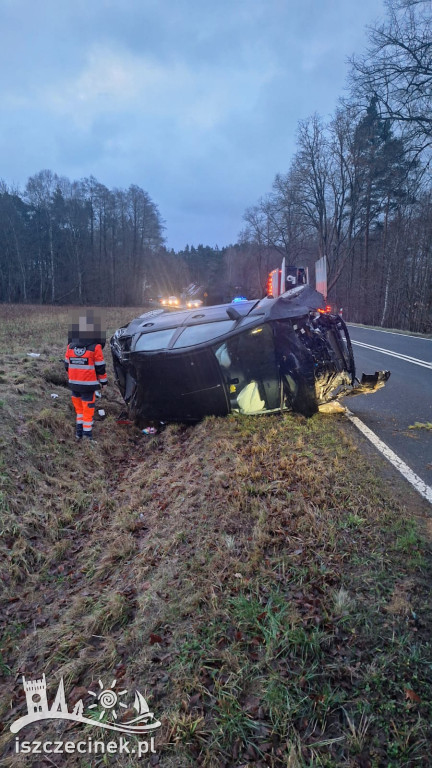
x=196, y=102
x=196, y=98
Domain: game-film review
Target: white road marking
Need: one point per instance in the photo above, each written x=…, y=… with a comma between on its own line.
x=406, y=358
x=404, y=469
x=392, y=333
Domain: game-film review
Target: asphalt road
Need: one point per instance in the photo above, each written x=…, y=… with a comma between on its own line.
x=406, y=398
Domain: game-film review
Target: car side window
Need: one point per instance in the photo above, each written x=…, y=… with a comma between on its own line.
x=249, y=368
x=201, y=332
x=150, y=342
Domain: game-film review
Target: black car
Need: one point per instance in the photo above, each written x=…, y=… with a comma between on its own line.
x=248, y=357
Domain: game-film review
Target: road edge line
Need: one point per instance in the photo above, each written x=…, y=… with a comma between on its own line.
x=393, y=333
x=399, y=356
x=421, y=487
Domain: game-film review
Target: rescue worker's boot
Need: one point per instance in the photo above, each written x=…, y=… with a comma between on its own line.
x=78, y=432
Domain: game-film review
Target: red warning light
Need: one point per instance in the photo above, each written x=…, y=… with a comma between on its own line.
x=269, y=285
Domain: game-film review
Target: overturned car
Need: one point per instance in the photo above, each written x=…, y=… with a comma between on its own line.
x=251, y=357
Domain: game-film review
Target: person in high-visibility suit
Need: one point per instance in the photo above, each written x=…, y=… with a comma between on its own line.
x=85, y=366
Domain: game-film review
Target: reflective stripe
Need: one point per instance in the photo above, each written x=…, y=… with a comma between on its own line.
x=81, y=367
x=99, y=363
x=89, y=383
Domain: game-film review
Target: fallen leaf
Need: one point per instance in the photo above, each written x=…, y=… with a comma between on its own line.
x=155, y=639
x=410, y=695
x=195, y=701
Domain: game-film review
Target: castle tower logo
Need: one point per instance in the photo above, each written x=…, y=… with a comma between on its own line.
x=105, y=711
x=35, y=691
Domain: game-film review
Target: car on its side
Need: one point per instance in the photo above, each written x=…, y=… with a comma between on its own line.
x=252, y=357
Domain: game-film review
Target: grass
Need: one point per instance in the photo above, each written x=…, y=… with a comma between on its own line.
x=255, y=578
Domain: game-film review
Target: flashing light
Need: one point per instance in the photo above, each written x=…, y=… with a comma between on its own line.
x=326, y=310
x=238, y=298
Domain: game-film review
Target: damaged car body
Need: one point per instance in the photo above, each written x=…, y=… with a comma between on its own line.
x=254, y=357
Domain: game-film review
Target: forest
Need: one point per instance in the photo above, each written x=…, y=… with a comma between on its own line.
x=358, y=191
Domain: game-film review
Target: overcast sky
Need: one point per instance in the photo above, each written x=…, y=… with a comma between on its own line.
x=196, y=101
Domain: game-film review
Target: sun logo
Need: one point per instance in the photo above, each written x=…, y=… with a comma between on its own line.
x=107, y=699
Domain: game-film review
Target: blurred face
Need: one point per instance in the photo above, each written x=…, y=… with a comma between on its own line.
x=87, y=324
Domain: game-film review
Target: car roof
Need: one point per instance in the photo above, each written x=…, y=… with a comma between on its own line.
x=157, y=320
x=294, y=303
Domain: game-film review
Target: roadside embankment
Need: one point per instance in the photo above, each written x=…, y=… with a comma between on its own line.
x=262, y=580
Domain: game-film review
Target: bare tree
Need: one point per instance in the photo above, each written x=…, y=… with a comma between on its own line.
x=396, y=69
x=40, y=191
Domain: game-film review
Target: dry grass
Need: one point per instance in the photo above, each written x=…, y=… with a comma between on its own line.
x=255, y=578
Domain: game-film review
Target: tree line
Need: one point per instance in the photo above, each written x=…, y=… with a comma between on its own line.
x=76, y=242
x=358, y=192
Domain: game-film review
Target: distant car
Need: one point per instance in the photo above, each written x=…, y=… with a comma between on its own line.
x=253, y=357
x=193, y=303
x=171, y=301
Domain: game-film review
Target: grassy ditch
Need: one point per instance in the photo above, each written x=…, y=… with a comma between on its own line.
x=255, y=578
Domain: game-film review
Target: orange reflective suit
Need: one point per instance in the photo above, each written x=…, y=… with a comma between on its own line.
x=86, y=370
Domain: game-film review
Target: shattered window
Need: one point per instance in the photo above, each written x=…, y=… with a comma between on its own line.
x=248, y=364
x=149, y=342
x=197, y=334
